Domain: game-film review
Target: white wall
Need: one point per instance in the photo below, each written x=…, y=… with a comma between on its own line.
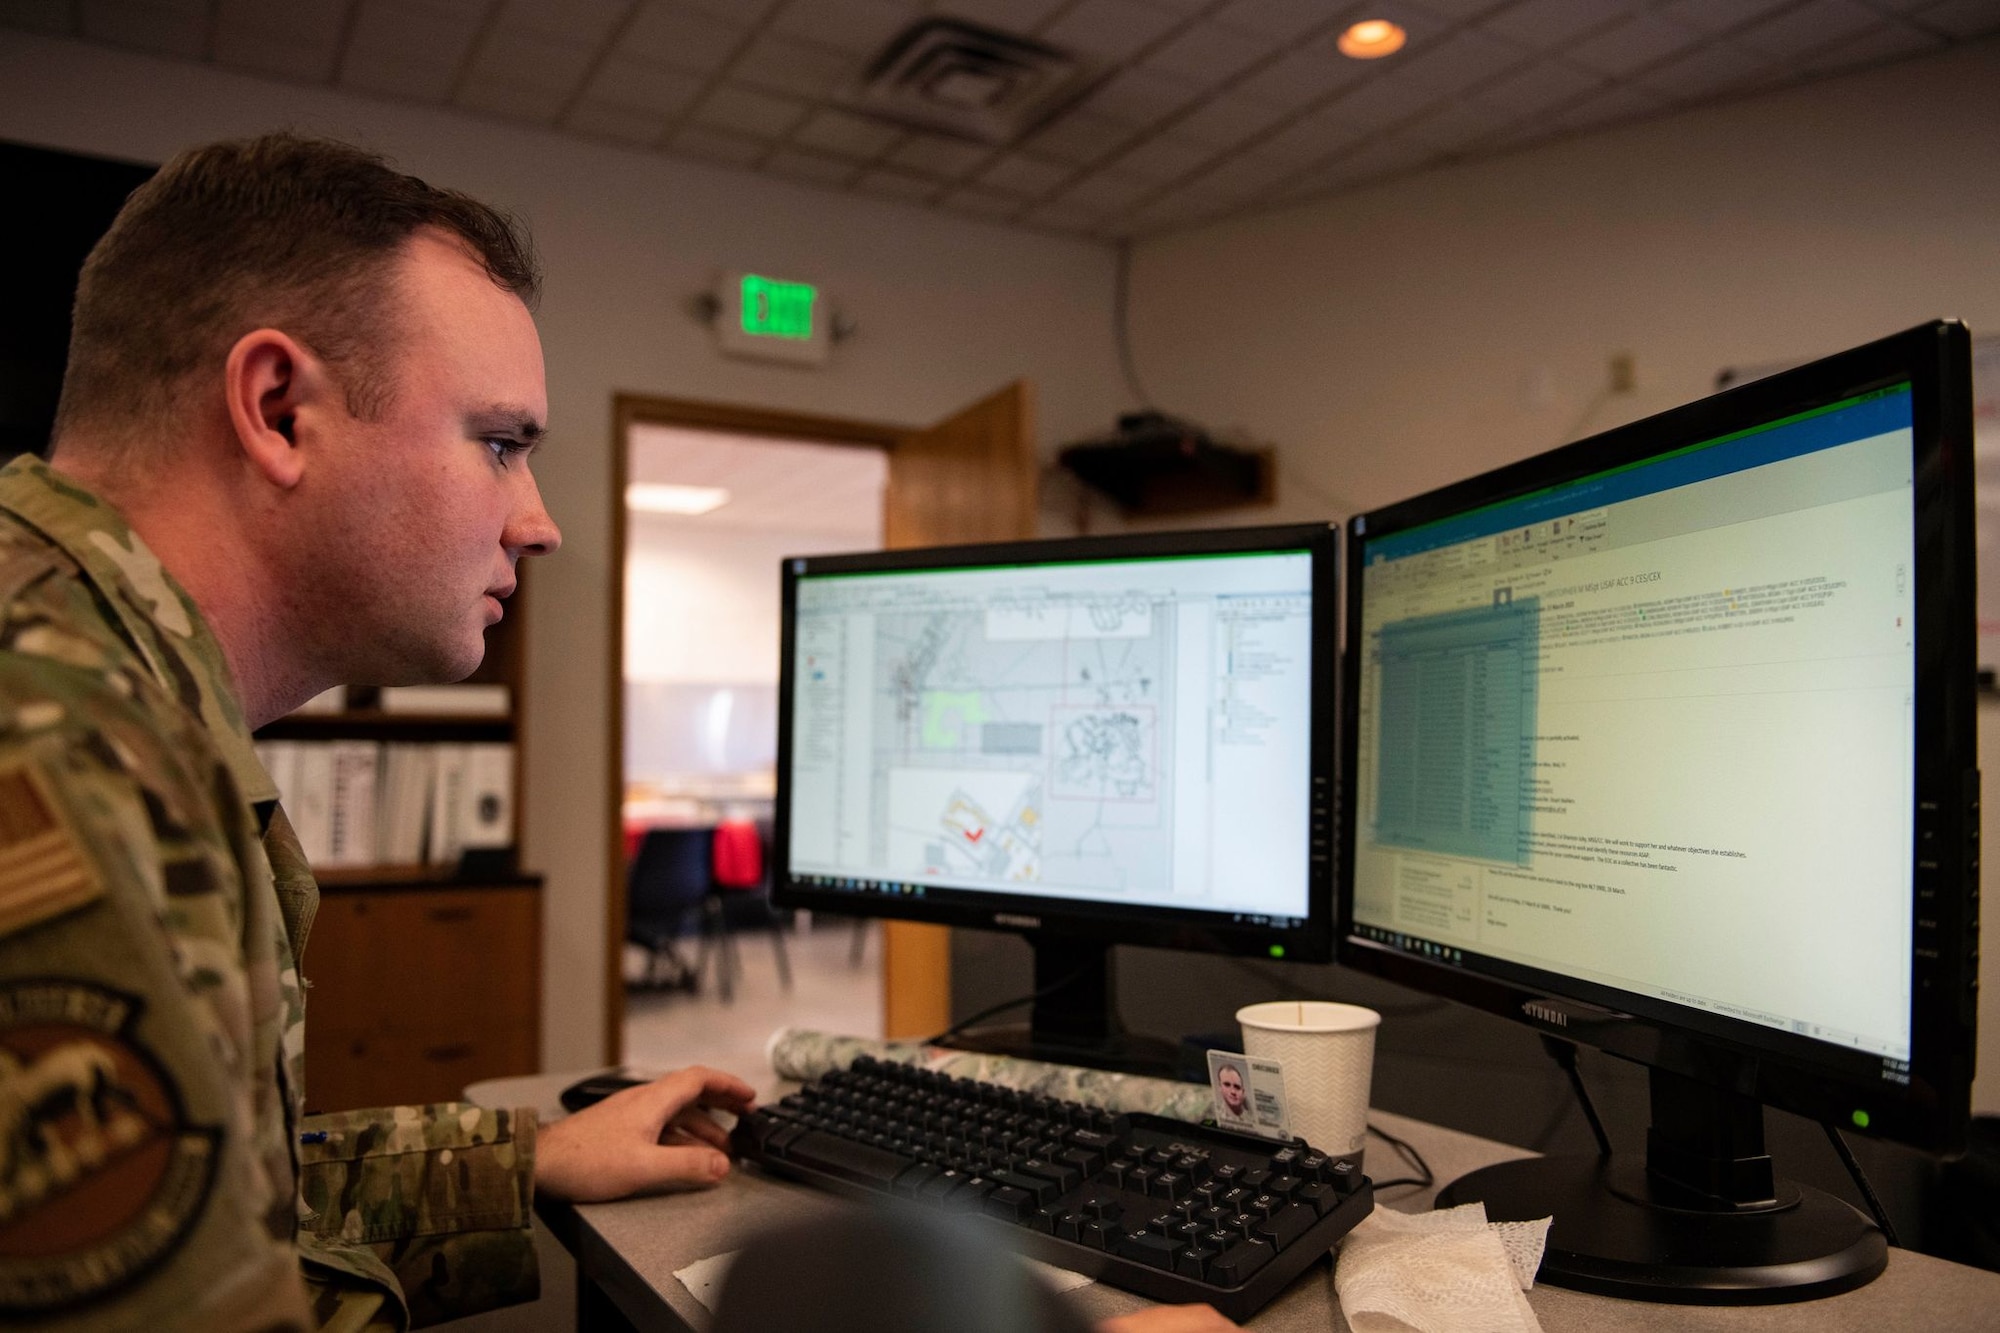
x=949, y=310
x=1408, y=335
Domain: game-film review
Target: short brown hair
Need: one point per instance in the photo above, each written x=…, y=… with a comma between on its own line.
x=279, y=231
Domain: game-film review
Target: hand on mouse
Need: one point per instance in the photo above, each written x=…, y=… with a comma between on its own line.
x=657, y=1136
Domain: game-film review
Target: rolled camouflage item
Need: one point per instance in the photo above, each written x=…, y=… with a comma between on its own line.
x=802, y=1054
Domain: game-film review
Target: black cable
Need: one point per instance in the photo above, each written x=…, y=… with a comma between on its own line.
x=1564, y=1054
x=956, y=1028
x=1853, y=1166
x=1415, y=1160
x=1121, y=285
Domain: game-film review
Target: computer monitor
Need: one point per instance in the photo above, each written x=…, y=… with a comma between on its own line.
x=1663, y=742
x=1089, y=742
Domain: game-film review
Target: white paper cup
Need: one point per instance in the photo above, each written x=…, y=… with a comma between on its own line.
x=1328, y=1051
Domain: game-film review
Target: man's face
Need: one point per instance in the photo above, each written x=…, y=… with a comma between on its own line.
x=1231, y=1083
x=425, y=510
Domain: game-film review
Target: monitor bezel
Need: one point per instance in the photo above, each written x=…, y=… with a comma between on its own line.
x=1798, y=1074
x=1156, y=927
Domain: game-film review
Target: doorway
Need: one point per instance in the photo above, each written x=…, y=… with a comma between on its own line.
x=969, y=477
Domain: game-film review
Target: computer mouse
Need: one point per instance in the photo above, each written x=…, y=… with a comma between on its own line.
x=589, y=1091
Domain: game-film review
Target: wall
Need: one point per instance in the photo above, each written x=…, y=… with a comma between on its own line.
x=949, y=310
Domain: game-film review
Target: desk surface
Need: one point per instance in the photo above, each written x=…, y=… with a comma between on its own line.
x=634, y=1248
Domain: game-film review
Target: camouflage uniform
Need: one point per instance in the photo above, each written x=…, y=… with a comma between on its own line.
x=155, y=1166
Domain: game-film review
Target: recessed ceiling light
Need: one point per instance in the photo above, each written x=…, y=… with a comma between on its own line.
x=657, y=498
x=1371, y=39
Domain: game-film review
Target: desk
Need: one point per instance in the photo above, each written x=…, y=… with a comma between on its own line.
x=630, y=1251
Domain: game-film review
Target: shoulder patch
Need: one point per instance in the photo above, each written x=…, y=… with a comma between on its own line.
x=101, y=1176
x=44, y=872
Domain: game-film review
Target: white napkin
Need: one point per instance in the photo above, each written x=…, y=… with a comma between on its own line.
x=1450, y=1271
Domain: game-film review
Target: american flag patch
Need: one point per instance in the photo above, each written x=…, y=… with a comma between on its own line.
x=43, y=872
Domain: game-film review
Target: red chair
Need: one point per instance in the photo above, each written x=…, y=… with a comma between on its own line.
x=744, y=891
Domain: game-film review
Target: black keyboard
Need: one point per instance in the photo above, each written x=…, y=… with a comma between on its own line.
x=1172, y=1211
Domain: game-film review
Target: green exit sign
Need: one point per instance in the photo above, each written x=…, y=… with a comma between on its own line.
x=773, y=308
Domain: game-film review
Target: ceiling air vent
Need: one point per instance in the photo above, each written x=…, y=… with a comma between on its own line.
x=958, y=78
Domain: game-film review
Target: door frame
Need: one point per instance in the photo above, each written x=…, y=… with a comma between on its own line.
x=630, y=410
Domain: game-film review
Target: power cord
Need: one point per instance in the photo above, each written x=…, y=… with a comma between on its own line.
x=1564, y=1054
x=1423, y=1179
x=1848, y=1160
x=964, y=1024
x=1121, y=288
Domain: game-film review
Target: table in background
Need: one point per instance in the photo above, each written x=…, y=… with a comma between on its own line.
x=627, y=1253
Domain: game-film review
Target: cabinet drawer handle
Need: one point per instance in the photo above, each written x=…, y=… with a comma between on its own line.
x=443, y=1053
x=449, y=914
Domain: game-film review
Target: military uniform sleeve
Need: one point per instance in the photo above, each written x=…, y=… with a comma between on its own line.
x=440, y=1196
x=133, y=1190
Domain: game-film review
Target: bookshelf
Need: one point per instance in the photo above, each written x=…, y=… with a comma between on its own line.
x=425, y=957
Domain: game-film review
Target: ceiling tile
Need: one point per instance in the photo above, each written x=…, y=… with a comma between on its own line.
x=1227, y=120
x=612, y=120
x=276, y=57
x=935, y=155
x=56, y=17
x=509, y=55
x=1207, y=54
x=312, y=22
x=1062, y=217
x=1380, y=158
x=1633, y=44
x=405, y=80
x=1168, y=157
x=892, y=184
x=1549, y=24
x=1302, y=77
x=1282, y=19
x=799, y=69
x=1383, y=102
x=1245, y=176
x=669, y=34
x=1114, y=30
x=1018, y=173
x=1620, y=102
x=1891, y=41
x=512, y=98
x=1459, y=126
x=746, y=111
x=1108, y=190
x=586, y=22
x=145, y=28
x=1016, y=16
x=1459, y=61
x=1961, y=18
x=1705, y=72
x=1719, y=16
x=858, y=27
x=1312, y=137
x=809, y=168
x=639, y=86
x=733, y=150
x=848, y=135
x=983, y=203
x=388, y=35
x=1140, y=96
x=1078, y=137
x=1816, y=24
x=1544, y=84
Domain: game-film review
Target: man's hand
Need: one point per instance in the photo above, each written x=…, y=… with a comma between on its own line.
x=657, y=1136
x=1167, y=1319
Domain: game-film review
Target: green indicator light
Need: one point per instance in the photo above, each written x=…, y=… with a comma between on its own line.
x=774, y=309
x=1277, y=951
x=1861, y=1120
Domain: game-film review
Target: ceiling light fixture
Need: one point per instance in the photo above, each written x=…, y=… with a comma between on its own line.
x=659, y=498
x=1371, y=39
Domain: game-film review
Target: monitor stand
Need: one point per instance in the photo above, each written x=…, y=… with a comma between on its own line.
x=1702, y=1221
x=1075, y=1017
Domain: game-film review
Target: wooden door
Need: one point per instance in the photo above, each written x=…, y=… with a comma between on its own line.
x=969, y=478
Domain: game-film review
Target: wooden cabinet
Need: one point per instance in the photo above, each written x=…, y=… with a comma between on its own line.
x=420, y=989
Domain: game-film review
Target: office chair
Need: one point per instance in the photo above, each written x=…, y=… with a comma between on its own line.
x=671, y=879
x=743, y=889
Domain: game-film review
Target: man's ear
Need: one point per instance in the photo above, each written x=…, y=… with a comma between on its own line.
x=271, y=380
